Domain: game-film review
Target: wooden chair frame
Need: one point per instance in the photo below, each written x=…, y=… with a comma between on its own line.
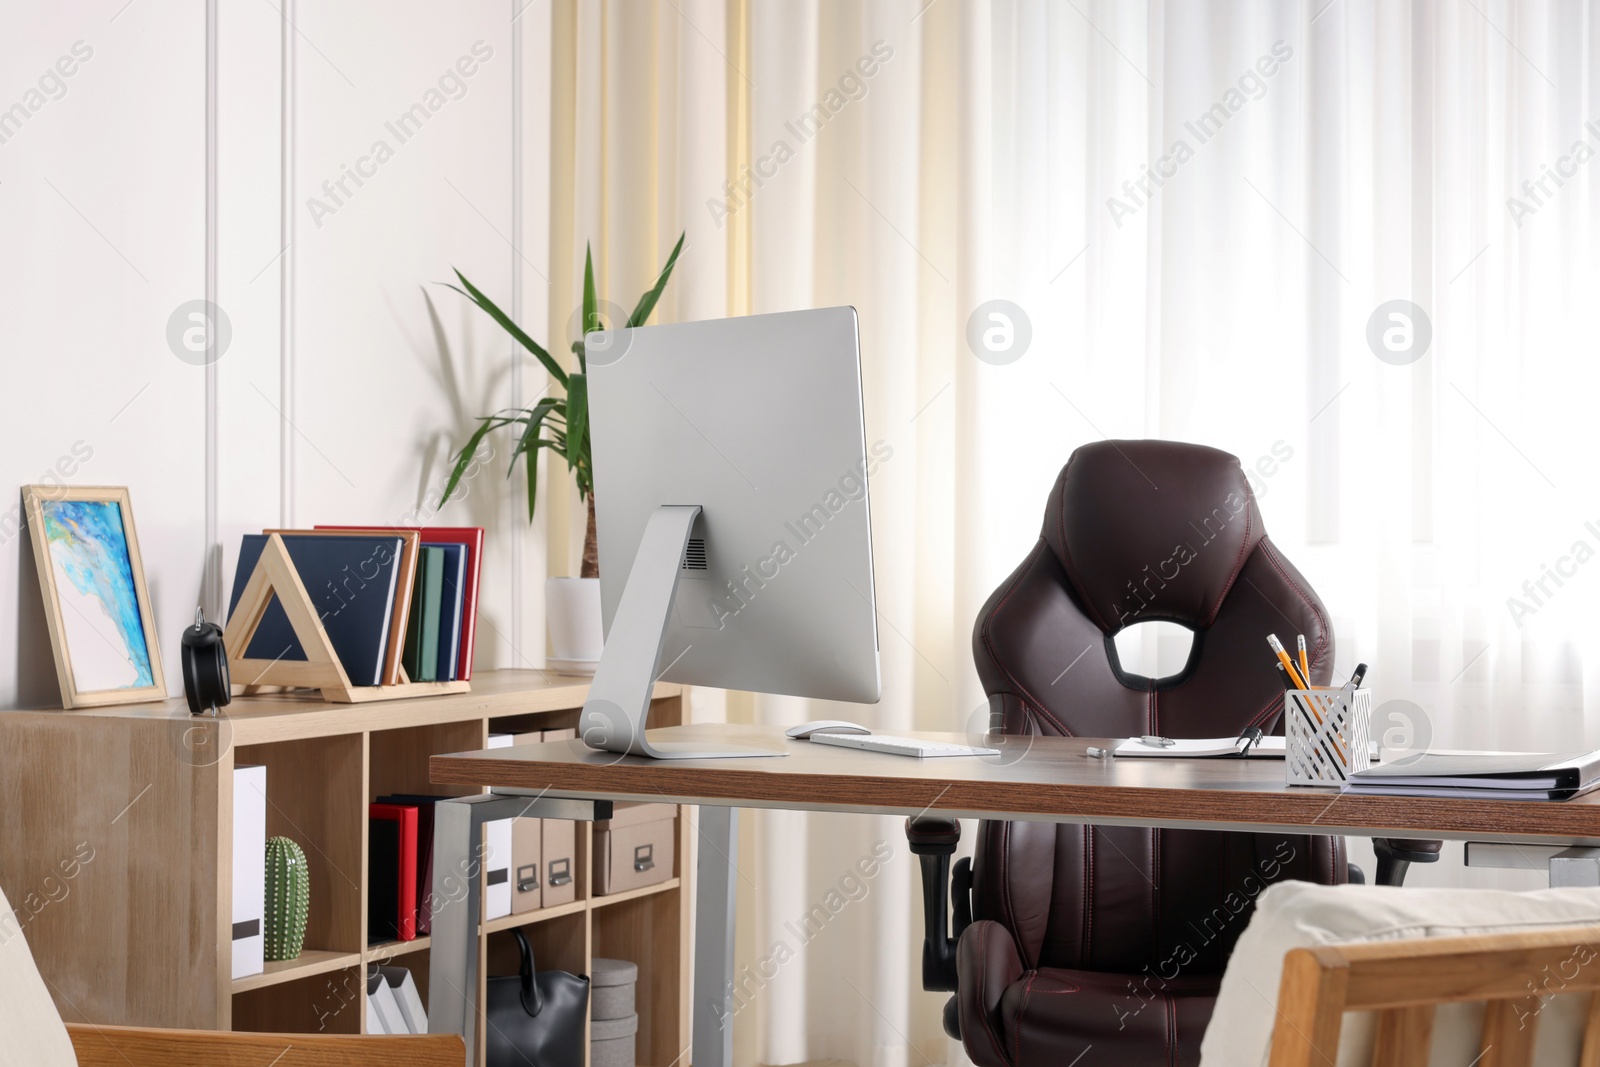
x=1403, y=981
x=137, y=1046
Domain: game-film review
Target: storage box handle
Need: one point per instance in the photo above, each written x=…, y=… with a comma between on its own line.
x=560, y=872
x=528, y=878
x=644, y=857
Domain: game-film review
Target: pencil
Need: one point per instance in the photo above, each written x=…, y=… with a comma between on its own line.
x=1283, y=658
x=1305, y=667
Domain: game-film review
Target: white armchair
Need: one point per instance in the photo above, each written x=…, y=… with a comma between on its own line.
x=1336, y=976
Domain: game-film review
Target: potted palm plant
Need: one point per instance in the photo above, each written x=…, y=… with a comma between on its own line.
x=559, y=423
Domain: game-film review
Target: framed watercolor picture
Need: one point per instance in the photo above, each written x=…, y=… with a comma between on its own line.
x=95, y=600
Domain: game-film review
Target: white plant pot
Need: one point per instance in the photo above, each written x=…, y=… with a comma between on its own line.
x=572, y=618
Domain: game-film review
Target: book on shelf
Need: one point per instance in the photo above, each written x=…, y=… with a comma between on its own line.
x=472, y=538
x=404, y=581
x=422, y=632
x=391, y=872
x=452, y=597
x=351, y=582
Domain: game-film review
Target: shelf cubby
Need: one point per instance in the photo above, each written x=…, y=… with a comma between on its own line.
x=165, y=857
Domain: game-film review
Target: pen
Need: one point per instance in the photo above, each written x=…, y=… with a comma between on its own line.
x=1305, y=666
x=1283, y=676
x=1100, y=753
x=1283, y=658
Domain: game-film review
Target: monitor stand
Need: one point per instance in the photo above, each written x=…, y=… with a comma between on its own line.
x=613, y=717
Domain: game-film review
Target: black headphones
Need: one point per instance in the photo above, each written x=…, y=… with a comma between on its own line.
x=205, y=667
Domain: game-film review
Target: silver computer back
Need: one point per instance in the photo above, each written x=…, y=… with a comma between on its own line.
x=759, y=421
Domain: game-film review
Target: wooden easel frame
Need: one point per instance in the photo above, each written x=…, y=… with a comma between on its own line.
x=275, y=574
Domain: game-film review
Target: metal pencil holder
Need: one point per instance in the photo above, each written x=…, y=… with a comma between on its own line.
x=1326, y=737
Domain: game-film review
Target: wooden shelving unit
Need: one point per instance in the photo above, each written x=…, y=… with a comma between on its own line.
x=139, y=934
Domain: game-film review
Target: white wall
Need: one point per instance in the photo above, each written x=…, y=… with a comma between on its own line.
x=349, y=375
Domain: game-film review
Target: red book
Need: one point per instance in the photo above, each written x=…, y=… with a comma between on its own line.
x=472, y=537
x=391, y=872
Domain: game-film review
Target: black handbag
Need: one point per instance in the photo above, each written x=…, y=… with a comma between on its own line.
x=533, y=1019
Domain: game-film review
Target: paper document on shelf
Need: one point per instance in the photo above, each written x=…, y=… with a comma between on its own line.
x=1201, y=747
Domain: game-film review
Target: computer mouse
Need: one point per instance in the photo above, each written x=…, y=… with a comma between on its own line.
x=830, y=726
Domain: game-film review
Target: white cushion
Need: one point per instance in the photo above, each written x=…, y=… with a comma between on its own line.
x=31, y=1034
x=1293, y=914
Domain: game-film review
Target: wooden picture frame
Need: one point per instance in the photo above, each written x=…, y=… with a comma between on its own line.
x=92, y=578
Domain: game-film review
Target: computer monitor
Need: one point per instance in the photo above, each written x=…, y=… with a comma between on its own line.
x=730, y=473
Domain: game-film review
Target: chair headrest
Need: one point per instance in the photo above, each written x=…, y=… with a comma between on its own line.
x=1151, y=530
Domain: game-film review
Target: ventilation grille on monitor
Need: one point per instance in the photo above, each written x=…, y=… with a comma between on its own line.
x=694, y=555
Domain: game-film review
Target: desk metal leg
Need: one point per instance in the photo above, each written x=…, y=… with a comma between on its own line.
x=1575, y=866
x=458, y=898
x=715, y=894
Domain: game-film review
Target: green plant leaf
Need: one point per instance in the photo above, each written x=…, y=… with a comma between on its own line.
x=591, y=304
x=577, y=419
x=464, y=457
x=647, y=302
x=471, y=292
x=534, y=418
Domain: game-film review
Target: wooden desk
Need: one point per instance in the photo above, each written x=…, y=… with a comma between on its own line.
x=1034, y=779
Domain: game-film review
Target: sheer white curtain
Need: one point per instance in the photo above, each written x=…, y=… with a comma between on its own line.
x=1198, y=208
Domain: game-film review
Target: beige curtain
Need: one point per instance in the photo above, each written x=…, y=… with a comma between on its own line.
x=748, y=128
x=1194, y=211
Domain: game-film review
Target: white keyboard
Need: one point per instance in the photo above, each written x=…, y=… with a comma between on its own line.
x=901, y=746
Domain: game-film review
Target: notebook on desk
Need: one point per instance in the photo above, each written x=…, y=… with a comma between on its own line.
x=1483, y=775
x=1201, y=747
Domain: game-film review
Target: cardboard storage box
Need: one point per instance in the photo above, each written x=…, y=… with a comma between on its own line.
x=634, y=848
x=560, y=847
x=546, y=850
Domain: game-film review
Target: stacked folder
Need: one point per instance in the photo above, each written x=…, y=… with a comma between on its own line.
x=1482, y=776
x=398, y=603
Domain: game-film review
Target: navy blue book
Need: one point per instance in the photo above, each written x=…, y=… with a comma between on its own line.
x=351, y=582
x=455, y=588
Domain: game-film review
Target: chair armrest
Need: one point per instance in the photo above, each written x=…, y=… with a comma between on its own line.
x=933, y=835
x=1396, y=854
x=137, y=1046
x=989, y=960
x=933, y=841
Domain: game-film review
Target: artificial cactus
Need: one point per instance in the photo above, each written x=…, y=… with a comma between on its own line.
x=288, y=899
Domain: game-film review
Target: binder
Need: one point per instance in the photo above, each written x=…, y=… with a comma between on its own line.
x=249, y=870
x=382, y=1005
x=1483, y=776
x=408, y=1001
x=391, y=872
x=424, y=803
x=497, y=856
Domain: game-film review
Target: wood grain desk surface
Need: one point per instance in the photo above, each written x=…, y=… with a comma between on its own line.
x=1041, y=778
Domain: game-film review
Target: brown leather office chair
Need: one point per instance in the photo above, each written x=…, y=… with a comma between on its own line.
x=1068, y=937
